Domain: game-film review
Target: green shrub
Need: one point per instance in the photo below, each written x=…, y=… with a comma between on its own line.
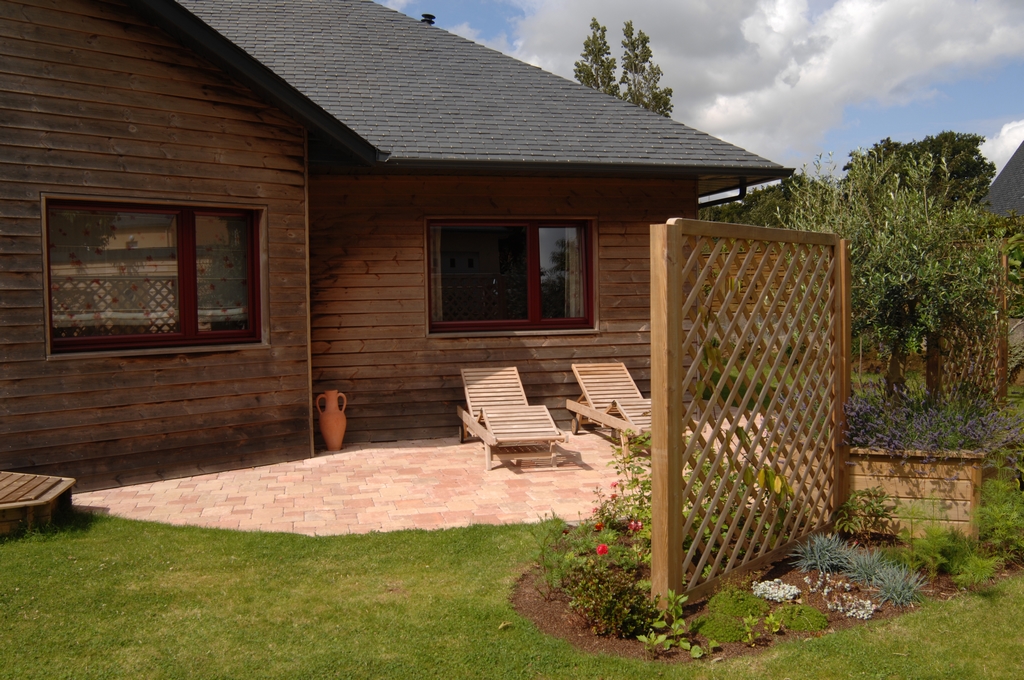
x=976, y=571
x=941, y=550
x=720, y=627
x=801, y=617
x=613, y=601
x=1001, y=519
x=866, y=512
x=737, y=603
x=901, y=555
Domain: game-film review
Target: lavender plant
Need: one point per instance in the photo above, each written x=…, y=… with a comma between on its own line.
x=915, y=420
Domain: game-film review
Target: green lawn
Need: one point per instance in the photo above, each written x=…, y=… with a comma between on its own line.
x=115, y=598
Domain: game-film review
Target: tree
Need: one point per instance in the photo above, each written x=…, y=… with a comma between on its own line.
x=768, y=206
x=919, y=272
x=640, y=75
x=960, y=171
x=596, y=69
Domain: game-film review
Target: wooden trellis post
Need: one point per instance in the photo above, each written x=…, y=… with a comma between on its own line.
x=844, y=351
x=1003, y=350
x=667, y=260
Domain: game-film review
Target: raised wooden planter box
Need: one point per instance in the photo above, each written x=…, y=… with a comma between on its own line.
x=951, y=482
x=31, y=499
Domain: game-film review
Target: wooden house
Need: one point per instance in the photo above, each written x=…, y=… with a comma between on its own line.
x=212, y=210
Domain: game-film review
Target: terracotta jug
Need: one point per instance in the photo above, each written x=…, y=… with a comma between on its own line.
x=332, y=421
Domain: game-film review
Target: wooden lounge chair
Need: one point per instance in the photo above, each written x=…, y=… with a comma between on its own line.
x=610, y=398
x=499, y=414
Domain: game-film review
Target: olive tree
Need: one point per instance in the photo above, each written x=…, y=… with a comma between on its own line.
x=919, y=271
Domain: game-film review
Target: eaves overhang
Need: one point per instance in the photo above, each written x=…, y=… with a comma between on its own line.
x=711, y=178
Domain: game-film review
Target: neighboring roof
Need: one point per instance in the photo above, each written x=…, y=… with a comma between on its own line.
x=423, y=97
x=1007, y=190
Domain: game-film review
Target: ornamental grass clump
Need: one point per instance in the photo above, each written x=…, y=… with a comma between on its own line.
x=914, y=420
x=898, y=585
x=863, y=566
x=826, y=553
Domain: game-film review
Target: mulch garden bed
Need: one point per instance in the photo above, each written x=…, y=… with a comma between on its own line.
x=553, y=617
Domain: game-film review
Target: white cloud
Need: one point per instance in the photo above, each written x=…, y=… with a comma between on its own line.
x=398, y=5
x=775, y=75
x=466, y=31
x=499, y=42
x=998, y=149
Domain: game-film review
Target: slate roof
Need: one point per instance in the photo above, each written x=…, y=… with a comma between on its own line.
x=1007, y=190
x=423, y=96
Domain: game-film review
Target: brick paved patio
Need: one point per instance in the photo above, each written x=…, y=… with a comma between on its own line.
x=372, y=487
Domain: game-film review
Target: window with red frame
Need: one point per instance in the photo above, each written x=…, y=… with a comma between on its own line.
x=135, y=276
x=515, y=275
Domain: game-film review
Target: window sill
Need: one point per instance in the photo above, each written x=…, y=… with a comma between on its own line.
x=524, y=333
x=156, y=351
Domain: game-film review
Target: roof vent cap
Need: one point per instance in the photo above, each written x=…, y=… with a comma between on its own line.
x=428, y=19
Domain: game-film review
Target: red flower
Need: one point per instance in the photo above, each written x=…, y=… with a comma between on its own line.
x=599, y=526
x=614, y=484
x=614, y=496
x=602, y=549
x=635, y=525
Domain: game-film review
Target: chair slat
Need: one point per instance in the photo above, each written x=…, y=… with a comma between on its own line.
x=602, y=383
x=485, y=387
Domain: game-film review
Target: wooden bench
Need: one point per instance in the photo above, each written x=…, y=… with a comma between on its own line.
x=31, y=499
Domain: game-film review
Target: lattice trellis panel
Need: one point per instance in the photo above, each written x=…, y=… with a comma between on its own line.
x=113, y=306
x=760, y=368
x=976, y=361
x=472, y=297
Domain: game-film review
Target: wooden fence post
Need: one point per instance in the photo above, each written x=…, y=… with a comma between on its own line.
x=667, y=258
x=843, y=346
x=1003, y=348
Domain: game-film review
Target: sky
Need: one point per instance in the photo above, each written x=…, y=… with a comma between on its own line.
x=791, y=79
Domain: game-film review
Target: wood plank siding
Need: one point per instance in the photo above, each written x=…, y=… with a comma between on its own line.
x=95, y=102
x=369, y=300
